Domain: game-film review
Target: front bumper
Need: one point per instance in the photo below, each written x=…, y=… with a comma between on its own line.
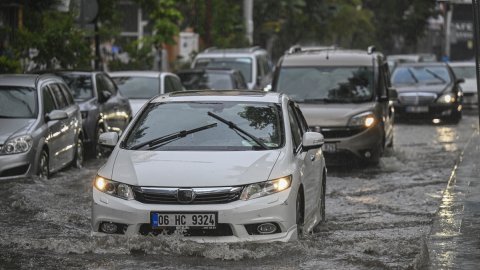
x=432, y=110
x=17, y=165
x=277, y=208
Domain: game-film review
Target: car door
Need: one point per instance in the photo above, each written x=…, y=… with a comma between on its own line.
x=73, y=122
x=305, y=162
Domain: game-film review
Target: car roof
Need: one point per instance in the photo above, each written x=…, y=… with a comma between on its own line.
x=221, y=95
x=329, y=57
x=138, y=73
x=216, y=52
x=27, y=80
x=462, y=64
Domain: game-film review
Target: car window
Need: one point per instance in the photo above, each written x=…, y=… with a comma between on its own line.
x=105, y=84
x=241, y=84
x=243, y=64
x=421, y=75
x=80, y=86
x=169, y=86
x=301, y=119
x=382, y=81
x=206, y=80
x=48, y=102
x=465, y=72
x=262, y=120
x=67, y=93
x=177, y=84
x=295, y=128
x=58, y=96
x=260, y=71
x=18, y=102
x=137, y=87
x=327, y=84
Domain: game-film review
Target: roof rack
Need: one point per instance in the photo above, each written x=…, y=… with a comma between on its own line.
x=298, y=49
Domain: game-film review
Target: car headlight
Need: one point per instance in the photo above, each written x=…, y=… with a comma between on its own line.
x=17, y=145
x=261, y=189
x=366, y=119
x=446, y=98
x=113, y=188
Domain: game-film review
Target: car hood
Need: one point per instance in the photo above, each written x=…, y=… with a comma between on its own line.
x=469, y=86
x=331, y=115
x=193, y=168
x=434, y=88
x=13, y=126
x=136, y=105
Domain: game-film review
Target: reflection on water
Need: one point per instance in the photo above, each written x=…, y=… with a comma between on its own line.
x=447, y=137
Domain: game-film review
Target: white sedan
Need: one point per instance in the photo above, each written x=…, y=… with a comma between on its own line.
x=216, y=166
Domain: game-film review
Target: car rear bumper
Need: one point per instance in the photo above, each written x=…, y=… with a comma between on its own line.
x=277, y=208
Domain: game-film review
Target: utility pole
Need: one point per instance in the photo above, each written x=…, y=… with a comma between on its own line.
x=248, y=17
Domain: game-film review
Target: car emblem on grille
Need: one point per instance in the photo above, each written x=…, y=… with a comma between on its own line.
x=185, y=195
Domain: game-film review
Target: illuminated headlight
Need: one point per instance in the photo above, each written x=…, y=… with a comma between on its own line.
x=113, y=188
x=17, y=145
x=366, y=119
x=258, y=190
x=446, y=98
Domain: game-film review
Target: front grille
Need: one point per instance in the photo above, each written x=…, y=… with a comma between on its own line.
x=222, y=229
x=216, y=195
x=416, y=98
x=339, y=132
x=16, y=171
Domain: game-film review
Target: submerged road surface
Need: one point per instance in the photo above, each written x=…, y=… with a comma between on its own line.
x=377, y=218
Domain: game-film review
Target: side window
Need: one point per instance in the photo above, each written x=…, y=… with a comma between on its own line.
x=67, y=93
x=48, y=102
x=58, y=96
x=109, y=85
x=382, y=83
x=177, y=84
x=301, y=120
x=169, y=85
x=295, y=128
x=266, y=65
x=100, y=84
x=260, y=71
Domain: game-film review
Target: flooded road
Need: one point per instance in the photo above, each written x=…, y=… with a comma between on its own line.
x=377, y=218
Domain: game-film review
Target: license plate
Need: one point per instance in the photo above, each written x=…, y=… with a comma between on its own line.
x=164, y=219
x=416, y=109
x=329, y=147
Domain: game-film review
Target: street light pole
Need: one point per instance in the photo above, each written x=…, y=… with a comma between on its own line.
x=476, y=18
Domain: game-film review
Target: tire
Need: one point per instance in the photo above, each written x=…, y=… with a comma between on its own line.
x=98, y=151
x=79, y=153
x=299, y=215
x=322, y=198
x=43, y=165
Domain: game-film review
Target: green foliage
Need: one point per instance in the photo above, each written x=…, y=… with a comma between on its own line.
x=8, y=65
x=140, y=58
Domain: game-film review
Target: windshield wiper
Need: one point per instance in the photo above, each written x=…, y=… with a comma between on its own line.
x=179, y=134
x=412, y=74
x=237, y=128
x=435, y=75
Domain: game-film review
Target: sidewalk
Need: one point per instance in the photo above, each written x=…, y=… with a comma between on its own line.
x=454, y=241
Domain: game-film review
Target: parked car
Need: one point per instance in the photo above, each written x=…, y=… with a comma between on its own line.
x=467, y=71
x=253, y=63
x=102, y=106
x=345, y=95
x=40, y=126
x=140, y=86
x=428, y=90
x=231, y=166
x=215, y=79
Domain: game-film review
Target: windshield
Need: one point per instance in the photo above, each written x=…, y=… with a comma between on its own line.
x=261, y=120
x=327, y=84
x=467, y=72
x=80, y=85
x=201, y=81
x=420, y=75
x=243, y=64
x=18, y=102
x=137, y=87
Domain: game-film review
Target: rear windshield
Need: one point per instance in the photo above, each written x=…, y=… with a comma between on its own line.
x=80, y=85
x=243, y=64
x=420, y=75
x=138, y=87
x=327, y=84
x=18, y=102
x=204, y=80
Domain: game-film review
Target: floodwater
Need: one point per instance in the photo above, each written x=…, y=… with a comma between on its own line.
x=377, y=218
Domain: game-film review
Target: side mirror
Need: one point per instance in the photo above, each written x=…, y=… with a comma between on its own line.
x=459, y=81
x=312, y=140
x=108, y=139
x=56, y=115
x=104, y=96
x=392, y=93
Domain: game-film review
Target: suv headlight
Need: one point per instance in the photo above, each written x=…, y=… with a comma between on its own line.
x=113, y=188
x=366, y=119
x=446, y=98
x=17, y=145
x=261, y=189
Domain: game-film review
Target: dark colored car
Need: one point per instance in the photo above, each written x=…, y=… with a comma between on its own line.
x=428, y=90
x=215, y=79
x=103, y=107
x=40, y=126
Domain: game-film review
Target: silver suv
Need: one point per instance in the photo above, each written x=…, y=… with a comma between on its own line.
x=345, y=95
x=40, y=126
x=253, y=63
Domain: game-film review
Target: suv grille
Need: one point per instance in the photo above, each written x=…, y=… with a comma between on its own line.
x=215, y=195
x=222, y=229
x=417, y=98
x=339, y=132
